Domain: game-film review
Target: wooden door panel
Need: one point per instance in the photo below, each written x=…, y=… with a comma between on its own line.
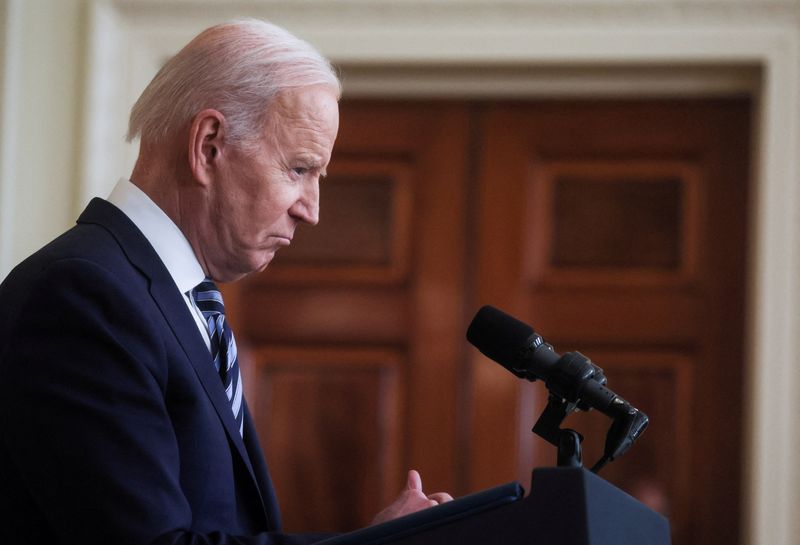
x=617, y=314
x=329, y=422
x=628, y=241
x=617, y=221
x=326, y=314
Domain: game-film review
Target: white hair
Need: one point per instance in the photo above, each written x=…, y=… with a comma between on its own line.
x=236, y=68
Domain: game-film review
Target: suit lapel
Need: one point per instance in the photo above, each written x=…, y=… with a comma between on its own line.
x=170, y=301
x=185, y=329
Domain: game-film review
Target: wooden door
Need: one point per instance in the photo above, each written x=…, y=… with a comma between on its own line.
x=618, y=229
x=613, y=228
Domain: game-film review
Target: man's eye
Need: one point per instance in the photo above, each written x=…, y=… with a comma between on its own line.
x=300, y=171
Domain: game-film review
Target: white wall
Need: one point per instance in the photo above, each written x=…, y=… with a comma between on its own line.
x=71, y=68
x=40, y=123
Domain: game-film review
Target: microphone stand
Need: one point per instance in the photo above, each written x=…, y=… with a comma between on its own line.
x=567, y=441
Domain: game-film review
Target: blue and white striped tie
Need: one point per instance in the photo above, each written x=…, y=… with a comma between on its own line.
x=223, y=346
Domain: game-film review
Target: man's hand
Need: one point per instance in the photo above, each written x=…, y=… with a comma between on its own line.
x=410, y=500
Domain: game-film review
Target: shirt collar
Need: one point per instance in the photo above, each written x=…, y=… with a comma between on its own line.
x=166, y=238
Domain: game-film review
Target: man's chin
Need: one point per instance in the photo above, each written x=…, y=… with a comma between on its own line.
x=266, y=261
x=237, y=271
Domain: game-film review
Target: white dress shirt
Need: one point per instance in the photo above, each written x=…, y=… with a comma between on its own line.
x=168, y=241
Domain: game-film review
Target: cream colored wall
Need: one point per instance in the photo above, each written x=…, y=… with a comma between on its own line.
x=6, y=227
x=71, y=67
x=3, y=51
x=41, y=123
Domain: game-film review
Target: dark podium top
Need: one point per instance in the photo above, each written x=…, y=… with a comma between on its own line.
x=567, y=506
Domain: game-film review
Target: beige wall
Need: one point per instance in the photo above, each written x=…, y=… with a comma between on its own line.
x=63, y=103
x=5, y=197
x=41, y=112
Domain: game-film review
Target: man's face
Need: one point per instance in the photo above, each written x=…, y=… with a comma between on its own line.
x=260, y=197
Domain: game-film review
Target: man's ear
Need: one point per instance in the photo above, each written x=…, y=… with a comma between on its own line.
x=206, y=144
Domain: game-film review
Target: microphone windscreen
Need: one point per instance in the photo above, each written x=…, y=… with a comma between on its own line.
x=498, y=335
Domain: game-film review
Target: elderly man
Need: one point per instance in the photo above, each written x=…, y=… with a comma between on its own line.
x=120, y=392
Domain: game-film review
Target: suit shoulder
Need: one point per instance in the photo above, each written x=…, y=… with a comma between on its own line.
x=84, y=254
x=83, y=243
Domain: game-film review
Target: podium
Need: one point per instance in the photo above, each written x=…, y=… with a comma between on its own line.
x=566, y=506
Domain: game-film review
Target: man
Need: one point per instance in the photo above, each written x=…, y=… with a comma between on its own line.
x=120, y=393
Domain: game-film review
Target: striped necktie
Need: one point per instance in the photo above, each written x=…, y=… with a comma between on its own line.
x=223, y=346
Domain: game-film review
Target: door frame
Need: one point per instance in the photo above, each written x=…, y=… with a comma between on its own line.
x=545, y=49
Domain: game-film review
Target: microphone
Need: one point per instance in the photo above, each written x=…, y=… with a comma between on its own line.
x=571, y=377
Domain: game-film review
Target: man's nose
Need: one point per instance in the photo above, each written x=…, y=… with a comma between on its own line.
x=306, y=208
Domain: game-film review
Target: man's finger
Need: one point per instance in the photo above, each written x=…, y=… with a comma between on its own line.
x=440, y=497
x=414, y=480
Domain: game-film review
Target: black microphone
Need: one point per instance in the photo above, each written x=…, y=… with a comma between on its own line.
x=572, y=377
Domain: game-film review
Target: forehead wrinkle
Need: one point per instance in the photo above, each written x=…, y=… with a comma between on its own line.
x=298, y=127
x=303, y=109
x=303, y=127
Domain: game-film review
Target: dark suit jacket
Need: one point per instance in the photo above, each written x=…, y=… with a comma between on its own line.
x=115, y=427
